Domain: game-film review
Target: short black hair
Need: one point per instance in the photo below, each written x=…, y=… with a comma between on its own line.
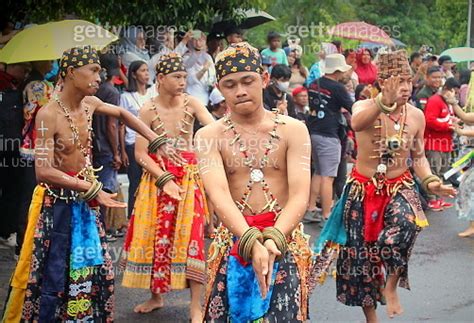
x=358, y=90
x=444, y=58
x=433, y=69
x=464, y=76
x=451, y=83
x=132, y=69
x=281, y=71
x=272, y=35
x=414, y=56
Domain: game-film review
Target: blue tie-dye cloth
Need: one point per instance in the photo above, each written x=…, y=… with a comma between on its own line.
x=86, y=248
x=334, y=229
x=245, y=302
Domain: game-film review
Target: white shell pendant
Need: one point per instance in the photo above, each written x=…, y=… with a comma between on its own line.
x=396, y=126
x=381, y=168
x=256, y=175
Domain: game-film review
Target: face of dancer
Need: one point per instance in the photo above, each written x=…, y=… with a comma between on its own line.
x=404, y=89
x=86, y=79
x=142, y=75
x=243, y=91
x=173, y=83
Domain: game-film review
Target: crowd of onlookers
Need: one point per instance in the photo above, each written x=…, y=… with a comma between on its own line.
x=320, y=95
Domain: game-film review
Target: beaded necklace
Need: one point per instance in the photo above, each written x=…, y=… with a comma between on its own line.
x=388, y=146
x=256, y=172
x=182, y=124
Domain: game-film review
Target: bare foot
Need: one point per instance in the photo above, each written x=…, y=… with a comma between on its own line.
x=393, y=303
x=467, y=233
x=196, y=313
x=154, y=303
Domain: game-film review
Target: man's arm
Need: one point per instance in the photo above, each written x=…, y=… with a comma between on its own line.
x=298, y=160
x=364, y=114
x=200, y=111
x=120, y=113
x=211, y=167
x=465, y=117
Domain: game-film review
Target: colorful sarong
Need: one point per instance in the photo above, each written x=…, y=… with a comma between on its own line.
x=232, y=291
x=165, y=240
x=64, y=272
x=362, y=265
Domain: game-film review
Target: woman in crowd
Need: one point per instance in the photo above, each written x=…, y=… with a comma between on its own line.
x=133, y=99
x=366, y=70
x=299, y=72
x=133, y=46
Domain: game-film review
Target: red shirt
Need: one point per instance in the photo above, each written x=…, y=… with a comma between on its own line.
x=438, y=135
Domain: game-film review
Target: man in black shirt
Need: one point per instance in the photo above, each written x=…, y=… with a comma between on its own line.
x=275, y=95
x=326, y=125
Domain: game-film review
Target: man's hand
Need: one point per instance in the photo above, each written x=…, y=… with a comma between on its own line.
x=168, y=151
x=273, y=252
x=173, y=190
x=260, y=259
x=117, y=162
x=125, y=160
x=442, y=190
x=391, y=90
x=108, y=200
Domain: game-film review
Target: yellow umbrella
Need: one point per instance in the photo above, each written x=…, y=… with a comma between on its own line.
x=49, y=41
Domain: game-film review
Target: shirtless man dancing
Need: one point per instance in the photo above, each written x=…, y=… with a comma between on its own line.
x=255, y=166
x=65, y=272
x=376, y=221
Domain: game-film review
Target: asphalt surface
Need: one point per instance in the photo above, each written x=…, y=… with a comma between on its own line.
x=441, y=276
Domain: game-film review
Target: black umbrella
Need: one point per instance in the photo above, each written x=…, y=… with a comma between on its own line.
x=251, y=18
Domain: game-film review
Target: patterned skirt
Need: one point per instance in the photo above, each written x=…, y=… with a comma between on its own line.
x=64, y=272
x=165, y=239
x=465, y=198
x=289, y=293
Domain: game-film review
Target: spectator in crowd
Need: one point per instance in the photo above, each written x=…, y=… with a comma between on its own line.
x=439, y=134
x=418, y=70
x=300, y=97
x=274, y=51
x=362, y=92
x=432, y=82
x=464, y=78
x=327, y=128
x=366, y=70
x=136, y=94
x=106, y=153
x=351, y=60
x=217, y=105
x=215, y=44
x=446, y=64
x=7, y=29
x=299, y=72
x=317, y=69
x=200, y=68
x=165, y=44
x=233, y=35
x=132, y=46
x=276, y=96
x=11, y=123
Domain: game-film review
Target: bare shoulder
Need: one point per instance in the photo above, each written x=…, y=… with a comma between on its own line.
x=360, y=105
x=293, y=126
x=212, y=130
x=194, y=103
x=92, y=101
x=147, y=112
x=48, y=113
x=414, y=112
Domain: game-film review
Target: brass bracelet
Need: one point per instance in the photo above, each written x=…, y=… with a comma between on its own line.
x=163, y=179
x=247, y=241
x=156, y=143
x=92, y=192
x=278, y=237
x=427, y=180
x=382, y=107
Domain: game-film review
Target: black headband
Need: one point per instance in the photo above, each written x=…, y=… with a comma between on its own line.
x=170, y=63
x=239, y=57
x=77, y=57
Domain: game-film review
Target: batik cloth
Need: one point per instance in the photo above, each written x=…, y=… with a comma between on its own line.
x=64, y=272
x=362, y=266
x=164, y=244
x=232, y=293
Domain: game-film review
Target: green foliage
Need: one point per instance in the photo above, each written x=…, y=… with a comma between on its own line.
x=199, y=13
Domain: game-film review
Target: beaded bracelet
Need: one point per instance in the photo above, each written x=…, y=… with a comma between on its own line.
x=382, y=107
x=157, y=143
x=92, y=192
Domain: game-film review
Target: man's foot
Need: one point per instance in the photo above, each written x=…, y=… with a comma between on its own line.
x=435, y=206
x=196, y=314
x=393, y=303
x=445, y=205
x=467, y=233
x=150, y=305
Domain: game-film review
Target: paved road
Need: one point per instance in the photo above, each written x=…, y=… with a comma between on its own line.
x=441, y=273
